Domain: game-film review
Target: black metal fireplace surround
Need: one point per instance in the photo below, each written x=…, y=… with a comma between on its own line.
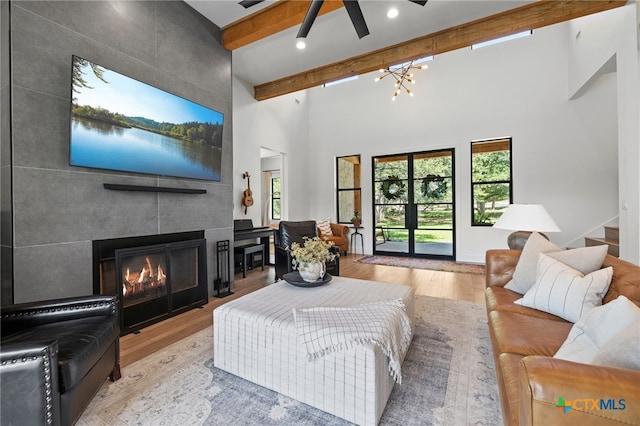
x=155, y=276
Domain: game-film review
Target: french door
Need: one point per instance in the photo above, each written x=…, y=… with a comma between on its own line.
x=413, y=204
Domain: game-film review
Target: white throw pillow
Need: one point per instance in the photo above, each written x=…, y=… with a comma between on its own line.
x=622, y=351
x=584, y=259
x=525, y=274
x=600, y=333
x=564, y=291
x=325, y=227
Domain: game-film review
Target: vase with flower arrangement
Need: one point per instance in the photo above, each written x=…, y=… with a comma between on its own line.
x=310, y=257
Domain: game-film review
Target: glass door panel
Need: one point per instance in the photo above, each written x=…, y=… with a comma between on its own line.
x=391, y=197
x=413, y=202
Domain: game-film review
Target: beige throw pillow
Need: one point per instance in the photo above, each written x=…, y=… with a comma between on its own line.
x=606, y=335
x=563, y=291
x=584, y=259
x=525, y=274
x=325, y=226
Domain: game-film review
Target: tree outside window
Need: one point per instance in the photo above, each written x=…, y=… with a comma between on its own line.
x=491, y=180
x=349, y=198
x=275, y=198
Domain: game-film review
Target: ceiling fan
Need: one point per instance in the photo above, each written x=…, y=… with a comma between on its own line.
x=352, y=6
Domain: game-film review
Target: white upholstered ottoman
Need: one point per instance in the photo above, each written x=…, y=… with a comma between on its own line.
x=255, y=337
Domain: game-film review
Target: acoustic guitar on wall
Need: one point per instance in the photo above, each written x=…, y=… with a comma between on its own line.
x=247, y=195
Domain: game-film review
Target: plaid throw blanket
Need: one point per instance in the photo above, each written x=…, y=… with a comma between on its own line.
x=330, y=329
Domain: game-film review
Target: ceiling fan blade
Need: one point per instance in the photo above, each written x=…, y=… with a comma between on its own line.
x=311, y=15
x=355, y=13
x=248, y=3
x=420, y=2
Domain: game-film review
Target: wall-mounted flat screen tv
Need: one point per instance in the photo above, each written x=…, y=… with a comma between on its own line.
x=118, y=123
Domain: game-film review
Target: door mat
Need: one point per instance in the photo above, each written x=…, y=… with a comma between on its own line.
x=432, y=264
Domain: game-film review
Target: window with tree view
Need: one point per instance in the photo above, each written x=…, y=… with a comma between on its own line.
x=491, y=180
x=275, y=198
x=349, y=201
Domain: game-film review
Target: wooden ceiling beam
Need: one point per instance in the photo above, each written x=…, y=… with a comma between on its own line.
x=528, y=17
x=278, y=17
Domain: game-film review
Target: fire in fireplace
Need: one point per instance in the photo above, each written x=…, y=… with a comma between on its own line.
x=155, y=277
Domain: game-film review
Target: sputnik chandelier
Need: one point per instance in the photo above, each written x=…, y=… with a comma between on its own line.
x=402, y=76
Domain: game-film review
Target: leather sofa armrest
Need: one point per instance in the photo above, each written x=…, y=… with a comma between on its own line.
x=339, y=230
x=500, y=265
x=26, y=315
x=597, y=395
x=28, y=383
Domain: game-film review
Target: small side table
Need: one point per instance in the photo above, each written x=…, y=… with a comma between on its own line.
x=356, y=234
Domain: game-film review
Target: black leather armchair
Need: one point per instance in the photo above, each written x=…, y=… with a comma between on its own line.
x=293, y=232
x=55, y=356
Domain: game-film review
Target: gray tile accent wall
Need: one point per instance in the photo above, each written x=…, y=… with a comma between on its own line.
x=6, y=224
x=59, y=209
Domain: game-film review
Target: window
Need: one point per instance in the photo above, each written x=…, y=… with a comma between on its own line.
x=349, y=191
x=491, y=180
x=275, y=198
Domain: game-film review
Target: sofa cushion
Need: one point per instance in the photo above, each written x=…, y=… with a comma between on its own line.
x=584, y=259
x=501, y=299
x=603, y=331
x=81, y=343
x=526, y=335
x=564, y=291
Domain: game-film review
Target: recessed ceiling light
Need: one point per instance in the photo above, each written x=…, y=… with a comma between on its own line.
x=392, y=13
x=300, y=44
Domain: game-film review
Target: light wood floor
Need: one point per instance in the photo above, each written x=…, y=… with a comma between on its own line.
x=447, y=285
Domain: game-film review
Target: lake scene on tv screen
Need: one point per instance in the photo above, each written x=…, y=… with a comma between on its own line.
x=118, y=123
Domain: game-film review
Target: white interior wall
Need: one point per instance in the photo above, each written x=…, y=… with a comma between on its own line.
x=565, y=151
x=517, y=89
x=610, y=40
x=280, y=125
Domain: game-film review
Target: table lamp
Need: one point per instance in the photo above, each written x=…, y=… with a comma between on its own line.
x=525, y=219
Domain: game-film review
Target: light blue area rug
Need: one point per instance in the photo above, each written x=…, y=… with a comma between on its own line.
x=448, y=379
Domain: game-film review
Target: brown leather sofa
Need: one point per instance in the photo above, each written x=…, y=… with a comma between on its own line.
x=340, y=236
x=524, y=341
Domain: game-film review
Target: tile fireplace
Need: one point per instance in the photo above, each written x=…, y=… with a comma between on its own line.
x=155, y=277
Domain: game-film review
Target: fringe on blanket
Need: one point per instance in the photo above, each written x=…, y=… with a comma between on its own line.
x=326, y=330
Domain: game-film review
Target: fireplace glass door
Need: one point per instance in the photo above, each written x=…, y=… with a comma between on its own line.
x=158, y=281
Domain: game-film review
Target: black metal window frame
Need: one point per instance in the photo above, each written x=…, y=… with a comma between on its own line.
x=477, y=183
x=357, y=190
x=274, y=198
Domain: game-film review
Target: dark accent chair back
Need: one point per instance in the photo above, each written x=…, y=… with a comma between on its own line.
x=293, y=232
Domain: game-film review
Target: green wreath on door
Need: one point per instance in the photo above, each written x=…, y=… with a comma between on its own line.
x=434, y=187
x=393, y=188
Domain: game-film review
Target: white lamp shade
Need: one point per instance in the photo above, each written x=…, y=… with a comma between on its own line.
x=526, y=217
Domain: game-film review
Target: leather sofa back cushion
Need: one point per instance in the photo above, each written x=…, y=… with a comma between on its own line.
x=625, y=281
